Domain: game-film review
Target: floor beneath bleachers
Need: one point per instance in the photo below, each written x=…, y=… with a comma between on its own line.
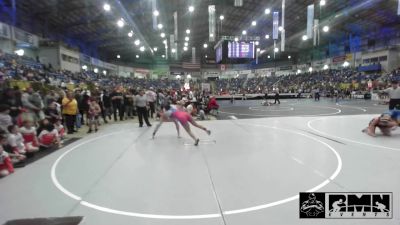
x=249, y=171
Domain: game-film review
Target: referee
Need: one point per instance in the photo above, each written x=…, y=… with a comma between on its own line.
x=394, y=95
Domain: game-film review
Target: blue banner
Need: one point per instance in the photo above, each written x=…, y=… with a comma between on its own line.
x=310, y=21
x=275, y=26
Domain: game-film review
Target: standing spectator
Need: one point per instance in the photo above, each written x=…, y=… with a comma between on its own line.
x=31, y=108
x=129, y=104
x=83, y=105
x=151, y=97
x=70, y=109
x=394, y=95
x=277, y=96
x=117, y=101
x=93, y=114
x=105, y=105
x=141, y=106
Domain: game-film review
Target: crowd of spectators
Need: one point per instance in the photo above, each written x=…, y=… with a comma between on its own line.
x=33, y=119
x=326, y=81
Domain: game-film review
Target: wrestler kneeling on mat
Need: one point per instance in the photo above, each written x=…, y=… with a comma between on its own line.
x=173, y=114
x=386, y=123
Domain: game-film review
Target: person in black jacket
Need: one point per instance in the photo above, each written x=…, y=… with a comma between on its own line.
x=105, y=105
x=117, y=103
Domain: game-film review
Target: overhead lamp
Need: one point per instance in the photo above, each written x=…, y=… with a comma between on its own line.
x=298, y=71
x=106, y=7
x=130, y=34
x=244, y=32
x=186, y=38
x=160, y=26
x=137, y=56
x=185, y=48
x=162, y=35
x=191, y=8
x=325, y=29
x=186, y=44
x=96, y=70
x=137, y=42
x=173, y=50
x=254, y=23
x=211, y=35
x=142, y=48
x=304, y=37
x=104, y=72
x=156, y=13
x=84, y=67
x=221, y=17
x=236, y=39
x=268, y=56
x=267, y=11
x=155, y=49
x=189, y=76
x=118, y=56
x=280, y=28
x=257, y=43
x=276, y=49
x=326, y=67
x=310, y=69
x=120, y=22
x=267, y=36
x=165, y=42
x=289, y=57
x=258, y=49
x=205, y=45
x=206, y=56
x=346, y=64
x=322, y=3
x=163, y=56
x=188, y=31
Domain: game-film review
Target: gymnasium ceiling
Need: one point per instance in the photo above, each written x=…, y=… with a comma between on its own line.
x=86, y=20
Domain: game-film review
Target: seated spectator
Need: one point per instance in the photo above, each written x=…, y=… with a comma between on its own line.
x=5, y=118
x=28, y=132
x=6, y=166
x=212, y=105
x=48, y=135
x=15, y=140
x=60, y=129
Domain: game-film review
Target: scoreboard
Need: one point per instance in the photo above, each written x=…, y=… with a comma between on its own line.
x=242, y=50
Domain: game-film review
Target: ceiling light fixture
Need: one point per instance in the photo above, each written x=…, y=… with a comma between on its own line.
x=106, y=7
x=191, y=8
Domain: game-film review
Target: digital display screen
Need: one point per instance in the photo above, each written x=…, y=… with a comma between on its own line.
x=241, y=50
x=218, y=53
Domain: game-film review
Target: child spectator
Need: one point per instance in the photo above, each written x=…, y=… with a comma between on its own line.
x=5, y=118
x=48, y=135
x=60, y=129
x=29, y=134
x=93, y=114
x=6, y=166
x=15, y=140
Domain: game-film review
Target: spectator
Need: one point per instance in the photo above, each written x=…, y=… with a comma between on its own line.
x=70, y=109
x=142, y=105
x=5, y=118
x=93, y=114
